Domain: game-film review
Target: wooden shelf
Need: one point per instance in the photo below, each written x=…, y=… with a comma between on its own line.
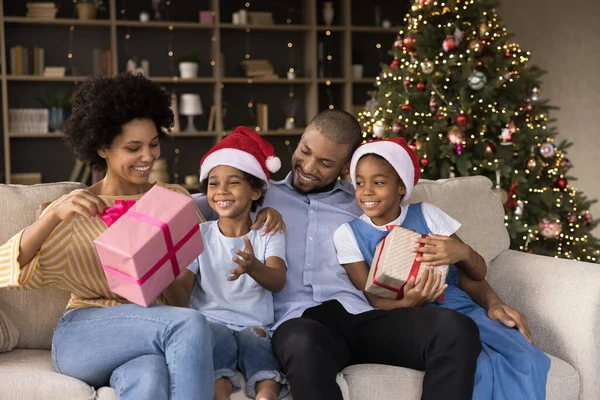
x=164, y=24
x=219, y=37
x=322, y=28
x=41, y=78
x=374, y=29
x=332, y=80
x=57, y=21
x=274, y=27
x=280, y=81
x=177, y=79
x=49, y=135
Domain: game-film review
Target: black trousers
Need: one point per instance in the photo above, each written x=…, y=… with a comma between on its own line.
x=312, y=349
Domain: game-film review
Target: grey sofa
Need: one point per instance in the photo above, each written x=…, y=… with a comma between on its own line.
x=560, y=298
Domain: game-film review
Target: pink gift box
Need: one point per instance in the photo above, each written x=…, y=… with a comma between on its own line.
x=149, y=245
x=207, y=17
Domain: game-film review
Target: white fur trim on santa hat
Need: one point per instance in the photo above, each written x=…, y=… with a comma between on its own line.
x=235, y=158
x=393, y=153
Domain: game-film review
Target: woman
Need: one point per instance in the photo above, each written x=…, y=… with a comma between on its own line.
x=159, y=352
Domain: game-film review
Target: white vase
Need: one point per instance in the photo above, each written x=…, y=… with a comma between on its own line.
x=328, y=12
x=188, y=69
x=357, y=71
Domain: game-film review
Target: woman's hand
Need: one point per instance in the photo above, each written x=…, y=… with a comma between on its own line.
x=426, y=290
x=271, y=220
x=441, y=250
x=79, y=202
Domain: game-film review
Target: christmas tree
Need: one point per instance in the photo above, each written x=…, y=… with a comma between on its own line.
x=463, y=95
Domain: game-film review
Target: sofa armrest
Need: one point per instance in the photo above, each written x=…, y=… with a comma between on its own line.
x=561, y=300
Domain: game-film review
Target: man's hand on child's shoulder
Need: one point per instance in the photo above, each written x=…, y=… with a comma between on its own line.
x=271, y=221
x=510, y=317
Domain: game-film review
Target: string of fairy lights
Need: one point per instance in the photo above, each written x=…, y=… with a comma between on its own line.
x=408, y=70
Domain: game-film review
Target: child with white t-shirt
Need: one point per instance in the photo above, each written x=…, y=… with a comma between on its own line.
x=384, y=173
x=234, y=277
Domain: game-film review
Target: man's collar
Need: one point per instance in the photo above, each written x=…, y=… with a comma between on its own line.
x=340, y=184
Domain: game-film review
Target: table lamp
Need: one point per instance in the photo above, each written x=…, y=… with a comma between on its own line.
x=190, y=106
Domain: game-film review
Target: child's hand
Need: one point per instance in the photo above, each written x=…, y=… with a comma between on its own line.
x=441, y=250
x=426, y=290
x=246, y=260
x=272, y=221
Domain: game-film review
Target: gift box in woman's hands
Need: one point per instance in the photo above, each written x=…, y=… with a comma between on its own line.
x=395, y=262
x=146, y=247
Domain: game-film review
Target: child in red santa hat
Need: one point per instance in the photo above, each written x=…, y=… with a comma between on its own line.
x=232, y=281
x=384, y=173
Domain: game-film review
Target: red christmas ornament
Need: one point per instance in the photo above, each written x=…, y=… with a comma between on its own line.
x=407, y=82
x=409, y=43
x=507, y=53
x=406, y=107
x=421, y=86
x=424, y=162
x=441, y=117
x=425, y=2
x=449, y=44
x=529, y=108
x=395, y=64
x=398, y=42
x=462, y=120
x=511, y=202
x=562, y=183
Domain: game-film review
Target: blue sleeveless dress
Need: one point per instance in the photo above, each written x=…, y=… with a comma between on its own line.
x=508, y=367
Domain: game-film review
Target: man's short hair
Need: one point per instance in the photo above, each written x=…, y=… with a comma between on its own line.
x=338, y=126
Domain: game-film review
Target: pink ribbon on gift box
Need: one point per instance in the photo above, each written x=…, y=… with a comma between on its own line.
x=172, y=249
x=414, y=271
x=112, y=214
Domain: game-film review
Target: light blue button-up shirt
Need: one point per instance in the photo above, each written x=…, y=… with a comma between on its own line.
x=314, y=274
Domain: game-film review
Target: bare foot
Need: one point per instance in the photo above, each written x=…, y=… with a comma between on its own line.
x=267, y=390
x=223, y=389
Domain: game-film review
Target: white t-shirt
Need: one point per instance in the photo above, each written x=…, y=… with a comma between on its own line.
x=241, y=303
x=346, y=245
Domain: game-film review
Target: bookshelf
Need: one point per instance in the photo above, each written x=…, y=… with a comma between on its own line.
x=220, y=83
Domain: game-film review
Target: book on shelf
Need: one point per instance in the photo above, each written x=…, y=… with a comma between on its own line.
x=259, y=69
x=102, y=62
x=41, y=10
x=262, y=117
x=55, y=71
x=26, y=61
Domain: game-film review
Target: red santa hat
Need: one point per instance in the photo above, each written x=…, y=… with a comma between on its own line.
x=245, y=150
x=396, y=152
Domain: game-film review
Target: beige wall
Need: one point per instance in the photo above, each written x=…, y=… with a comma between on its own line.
x=564, y=39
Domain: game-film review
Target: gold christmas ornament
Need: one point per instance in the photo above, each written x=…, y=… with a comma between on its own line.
x=427, y=67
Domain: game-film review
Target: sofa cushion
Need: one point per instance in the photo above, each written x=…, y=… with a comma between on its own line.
x=29, y=374
x=470, y=201
x=382, y=382
x=33, y=312
x=8, y=333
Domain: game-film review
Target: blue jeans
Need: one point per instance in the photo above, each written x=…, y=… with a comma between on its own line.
x=251, y=352
x=159, y=352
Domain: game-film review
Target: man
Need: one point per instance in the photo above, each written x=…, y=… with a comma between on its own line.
x=323, y=323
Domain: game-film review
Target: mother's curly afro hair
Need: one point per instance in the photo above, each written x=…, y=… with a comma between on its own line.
x=101, y=106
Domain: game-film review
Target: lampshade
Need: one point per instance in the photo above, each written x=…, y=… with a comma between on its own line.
x=190, y=104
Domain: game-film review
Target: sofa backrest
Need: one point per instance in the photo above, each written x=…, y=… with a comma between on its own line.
x=470, y=201
x=33, y=312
